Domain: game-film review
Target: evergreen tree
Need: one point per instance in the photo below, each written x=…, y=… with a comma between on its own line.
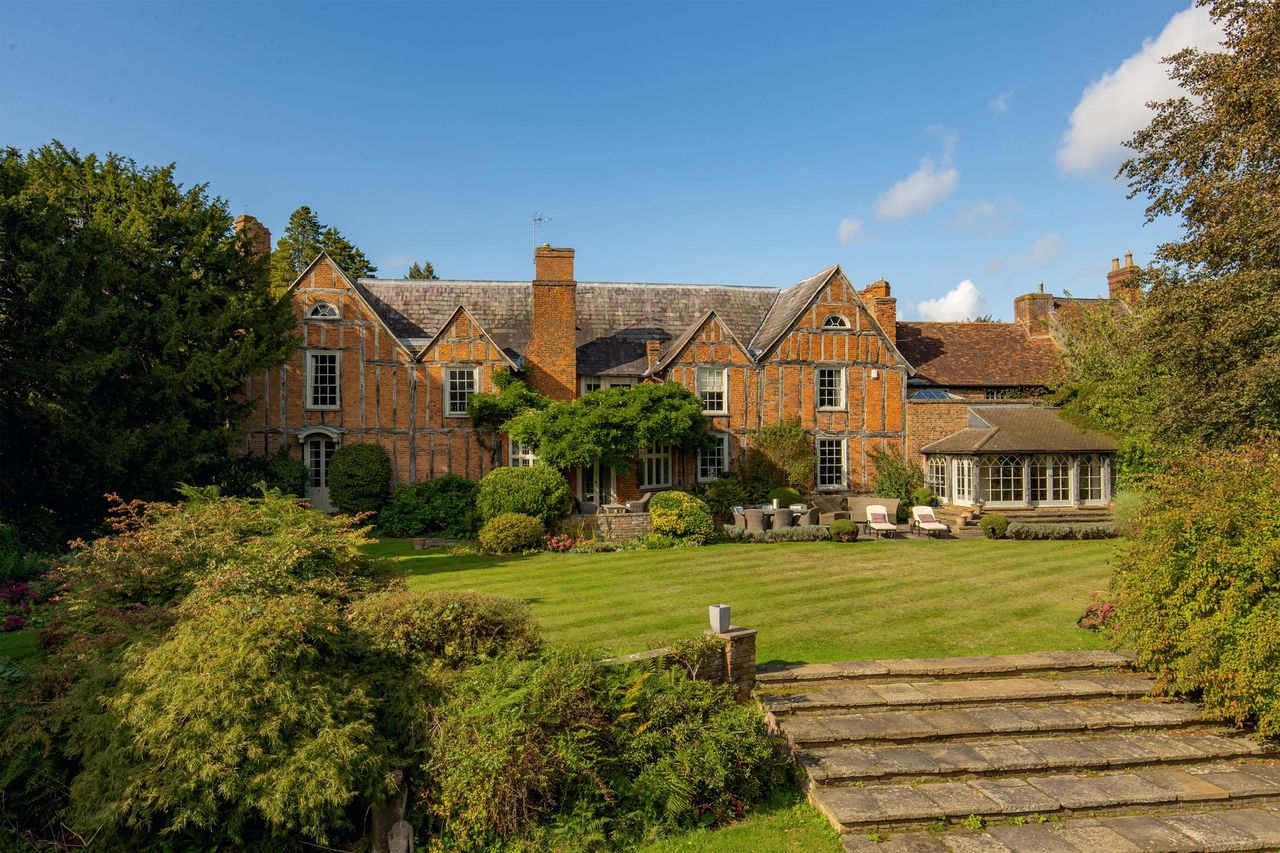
x=425, y=270
x=130, y=313
x=304, y=238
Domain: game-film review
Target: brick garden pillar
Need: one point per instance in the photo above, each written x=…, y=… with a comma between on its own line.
x=739, y=659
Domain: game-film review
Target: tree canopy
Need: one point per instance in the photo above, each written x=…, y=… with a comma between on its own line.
x=1198, y=361
x=423, y=270
x=304, y=238
x=612, y=425
x=130, y=313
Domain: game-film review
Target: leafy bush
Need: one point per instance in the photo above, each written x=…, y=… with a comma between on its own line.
x=537, y=490
x=786, y=496
x=994, y=526
x=923, y=496
x=1021, y=530
x=623, y=751
x=596, y=546
x=452, y=629
x=511, y=533
x=514, y=396
x=445, y=506
x=359, y=478
x=896, y=478
x=1099, y=615
x=682, y=515
x=1198, y=591
x=724, y=494
x=239, y=476
x=653, y=541
x=844, y=530
x=17, y=561
x=799, y=533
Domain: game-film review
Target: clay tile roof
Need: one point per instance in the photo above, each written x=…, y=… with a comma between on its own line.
x=1021, y=429
x=977, y=354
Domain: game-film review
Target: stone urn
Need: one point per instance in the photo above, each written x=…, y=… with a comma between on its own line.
x=719, y=618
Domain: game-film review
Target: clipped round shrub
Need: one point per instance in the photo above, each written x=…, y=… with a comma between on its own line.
x=923, y=496
x=786, y=496
x=287, y=474
x=445, y=506
x=538, y=490
x=511, y=532
x=994, y=526
x=844, y=530
x=451, y=628
x=682, y=515
x=359, y=478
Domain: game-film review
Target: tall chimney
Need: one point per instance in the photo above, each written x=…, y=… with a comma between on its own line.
x=884, y=307
x=1122, y=281
x=552, y=356
x=258, y=234
x=1033, y=311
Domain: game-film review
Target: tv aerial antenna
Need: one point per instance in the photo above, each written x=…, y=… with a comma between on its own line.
x=538, y=220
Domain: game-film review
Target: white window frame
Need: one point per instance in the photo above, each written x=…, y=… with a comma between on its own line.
x=312, y=357
x=963, y=477
x=316, y=307
x=603, y=382
x=1003, y=479
x=935, y=476
x=519, y=456
x=707, y=387
x=447, y=388
x=842, y=392
x=843, y=444
x=841, y=322
x=707, y=474
x=654, y=468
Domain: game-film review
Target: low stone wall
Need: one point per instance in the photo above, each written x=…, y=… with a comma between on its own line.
x=613, y=528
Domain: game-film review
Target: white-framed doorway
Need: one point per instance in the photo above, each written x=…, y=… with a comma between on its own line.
x=317, y=450
x=962, y=481
x=597, y=483
x=1050, y=480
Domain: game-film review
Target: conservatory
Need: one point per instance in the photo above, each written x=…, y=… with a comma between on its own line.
x=1020, y=457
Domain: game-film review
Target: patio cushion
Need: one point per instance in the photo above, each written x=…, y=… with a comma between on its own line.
x=878, y=518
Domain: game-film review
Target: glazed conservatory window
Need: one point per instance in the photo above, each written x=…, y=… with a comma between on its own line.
x=935, y=475
x=1002, y=478
x=964, y=479
x=1050, y=478
x=1091, y=478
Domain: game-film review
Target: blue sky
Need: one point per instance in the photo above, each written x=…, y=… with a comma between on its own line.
x=745, y=143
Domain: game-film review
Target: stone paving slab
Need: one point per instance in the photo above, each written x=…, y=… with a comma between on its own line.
x=974, y=665
x=1213, y=831
x=928, y=694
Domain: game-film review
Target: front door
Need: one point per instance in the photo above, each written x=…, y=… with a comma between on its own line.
x=962, y=481
x=596, y=484
x=317, y=451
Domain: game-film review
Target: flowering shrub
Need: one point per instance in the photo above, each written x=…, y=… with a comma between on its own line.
x=16, y=601
x=1100, y=615
x=681, y=515
x=560, y=543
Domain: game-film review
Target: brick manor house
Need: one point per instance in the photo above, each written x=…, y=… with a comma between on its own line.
x=395, y=361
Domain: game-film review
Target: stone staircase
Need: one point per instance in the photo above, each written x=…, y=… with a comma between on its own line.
x=1054, y=751
x=963, y=518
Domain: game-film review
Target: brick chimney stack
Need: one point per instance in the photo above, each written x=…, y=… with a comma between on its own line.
x=551, y=360
x=884, y=307
x=653, y=352
x=258, y=233
x=1122, y=280
x=1034, y=311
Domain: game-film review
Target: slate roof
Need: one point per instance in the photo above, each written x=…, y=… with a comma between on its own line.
x=1020, y=429
x=977, y=354
x=614, y=320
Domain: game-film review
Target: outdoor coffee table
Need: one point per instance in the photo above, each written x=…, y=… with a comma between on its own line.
x=614, y=509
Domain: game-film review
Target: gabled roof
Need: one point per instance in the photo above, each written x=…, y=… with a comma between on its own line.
x=1021, y=429
x=788, y=307
x=360, y=293
x=461, y=310
x=977, y=354
x=672, y=352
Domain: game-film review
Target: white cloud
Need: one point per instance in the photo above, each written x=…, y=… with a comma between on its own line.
x=962, y=302
x=1000, y=103
x=397, y=261
x=850, y=228
x=1115, y=105
x=1042, y=251
x=925, y=188
x=986, y=217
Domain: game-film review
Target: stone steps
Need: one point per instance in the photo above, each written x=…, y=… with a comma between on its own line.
x=838, y=697
x=985, y=721
x=1013, y=741
x=1024, y=756
x=1229, y=829
x=1152, y=790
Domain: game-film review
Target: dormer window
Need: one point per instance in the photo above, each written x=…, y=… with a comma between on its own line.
x=322, y=311
x=835, y=321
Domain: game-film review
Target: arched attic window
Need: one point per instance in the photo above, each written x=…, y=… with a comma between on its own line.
x=835, y=321
x=322, y=311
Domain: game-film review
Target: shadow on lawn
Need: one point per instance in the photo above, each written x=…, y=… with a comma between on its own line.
x=424, y=563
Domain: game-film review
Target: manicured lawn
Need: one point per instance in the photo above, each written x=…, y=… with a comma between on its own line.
x=815, y=601
x=789, y=826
